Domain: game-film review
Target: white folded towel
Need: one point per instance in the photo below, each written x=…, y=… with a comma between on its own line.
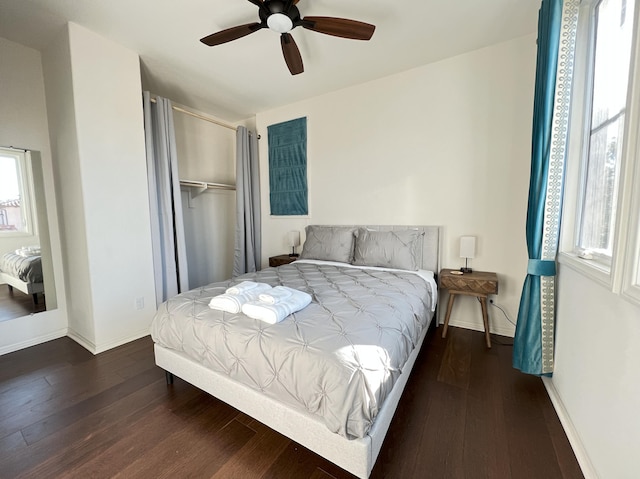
x=243, y=287
x=276, y=295
x=274, y=313
x=232, y=303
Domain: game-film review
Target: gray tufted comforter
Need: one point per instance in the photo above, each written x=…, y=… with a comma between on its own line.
x=337, y=358
x=25, y=268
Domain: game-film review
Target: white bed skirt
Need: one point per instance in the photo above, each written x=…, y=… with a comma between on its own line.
x=357, y=456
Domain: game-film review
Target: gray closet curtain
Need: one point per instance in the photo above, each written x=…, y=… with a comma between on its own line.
x=165, y=204
x=248, y=242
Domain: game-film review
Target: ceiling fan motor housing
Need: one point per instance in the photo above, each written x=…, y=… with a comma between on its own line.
x=279, y=19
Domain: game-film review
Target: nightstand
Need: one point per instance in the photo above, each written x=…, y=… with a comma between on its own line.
x=478, y=284
x=281, y=259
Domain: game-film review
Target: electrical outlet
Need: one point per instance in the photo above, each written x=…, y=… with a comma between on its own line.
x=139, y=303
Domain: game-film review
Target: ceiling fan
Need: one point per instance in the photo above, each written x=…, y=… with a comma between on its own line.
x=282, y=16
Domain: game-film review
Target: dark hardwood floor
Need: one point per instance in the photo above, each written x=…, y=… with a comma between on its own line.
x=15, y=304
x=464, y=414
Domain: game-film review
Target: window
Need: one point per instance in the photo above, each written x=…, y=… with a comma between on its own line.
x=15, y=194
x=601, y=201
x=607, y=84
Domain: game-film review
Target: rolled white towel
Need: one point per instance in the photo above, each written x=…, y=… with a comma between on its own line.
x=232, y=303
x=276, y=295
x=243, y=287
x=274, y=313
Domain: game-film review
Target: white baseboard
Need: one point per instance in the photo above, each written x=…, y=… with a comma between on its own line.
x=475, y=326
x=582, y=456
x=60, y=333
x=97, y=349
x=82, y=341
x=78, y=338
x=114, y=344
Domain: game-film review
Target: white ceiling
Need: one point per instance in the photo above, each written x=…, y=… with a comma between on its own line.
x=236, y=80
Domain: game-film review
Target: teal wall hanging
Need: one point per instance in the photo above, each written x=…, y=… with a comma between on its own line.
x=288, y=194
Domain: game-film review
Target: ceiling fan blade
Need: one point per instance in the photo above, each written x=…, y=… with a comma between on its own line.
x=339, y=27
x=291, y=54
x=230, y=34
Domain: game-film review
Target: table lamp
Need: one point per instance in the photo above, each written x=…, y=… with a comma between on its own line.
x=293, y=238
x=467, y=251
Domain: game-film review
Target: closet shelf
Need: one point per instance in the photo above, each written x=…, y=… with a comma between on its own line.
x=199, y=187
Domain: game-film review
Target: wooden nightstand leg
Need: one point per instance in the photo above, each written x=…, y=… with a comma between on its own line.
x=452, y=296
x=485, y=319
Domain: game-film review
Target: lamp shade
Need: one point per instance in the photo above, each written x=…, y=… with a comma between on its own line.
x=293, y=237
x=467, y=246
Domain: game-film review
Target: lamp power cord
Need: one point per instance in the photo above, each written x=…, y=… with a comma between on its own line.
x=493, y=303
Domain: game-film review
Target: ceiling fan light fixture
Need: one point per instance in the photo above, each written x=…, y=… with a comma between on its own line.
x=279, y=22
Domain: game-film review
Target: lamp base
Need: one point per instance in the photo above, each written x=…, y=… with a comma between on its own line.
x=293, y=255
x=466, y=270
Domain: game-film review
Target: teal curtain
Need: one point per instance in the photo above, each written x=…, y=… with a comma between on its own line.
x=530, y=338
x=288, y=168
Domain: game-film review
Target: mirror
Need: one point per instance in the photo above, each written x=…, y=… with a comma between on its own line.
x=26, y=269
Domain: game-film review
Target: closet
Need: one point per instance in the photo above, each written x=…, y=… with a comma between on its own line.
x=206, y=167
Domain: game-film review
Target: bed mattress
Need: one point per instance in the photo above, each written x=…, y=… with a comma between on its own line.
x=337, y=358
x=25, y=268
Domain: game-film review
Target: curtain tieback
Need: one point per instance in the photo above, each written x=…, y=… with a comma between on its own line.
x=541, y=267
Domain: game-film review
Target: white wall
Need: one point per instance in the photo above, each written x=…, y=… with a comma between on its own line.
x=93, y=86
x=23, y=123
x=206, y=152
x=56, y=60
x=597, y=374
x=447, y=144
x=209, y=222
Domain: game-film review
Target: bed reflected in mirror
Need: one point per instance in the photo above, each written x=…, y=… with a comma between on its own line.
x=26, y=270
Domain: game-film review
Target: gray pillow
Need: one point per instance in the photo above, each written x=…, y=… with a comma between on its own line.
x=329, y=243
x=389, y=249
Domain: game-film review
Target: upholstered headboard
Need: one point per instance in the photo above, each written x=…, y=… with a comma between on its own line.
x=431, y=243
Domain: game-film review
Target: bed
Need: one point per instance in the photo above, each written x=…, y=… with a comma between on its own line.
x=330, y=375
x=23, y=270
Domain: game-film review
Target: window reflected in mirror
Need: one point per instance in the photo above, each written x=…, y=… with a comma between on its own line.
x=25, y=259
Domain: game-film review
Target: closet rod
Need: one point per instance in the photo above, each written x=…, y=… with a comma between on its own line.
x=202, y=117
x=207, y=185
